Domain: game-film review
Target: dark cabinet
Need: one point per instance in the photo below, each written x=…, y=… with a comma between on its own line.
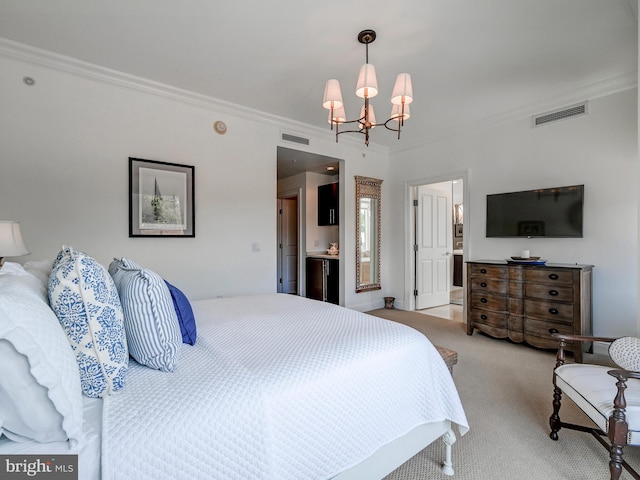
x=457, y=270
x=328, y=203
x=323, y=280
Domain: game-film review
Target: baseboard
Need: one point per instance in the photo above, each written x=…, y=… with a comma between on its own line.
x=601, y=348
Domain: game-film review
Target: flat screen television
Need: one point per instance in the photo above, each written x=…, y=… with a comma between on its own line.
x=547, y=212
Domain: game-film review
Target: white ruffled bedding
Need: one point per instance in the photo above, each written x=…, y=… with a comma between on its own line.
x=276, y=387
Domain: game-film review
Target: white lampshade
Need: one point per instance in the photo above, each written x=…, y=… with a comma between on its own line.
x=372, y=116
x=367, y=82
x=11, y=243
x=402, y=90
x=332, y=95
x=396, y=112
x=339, y=116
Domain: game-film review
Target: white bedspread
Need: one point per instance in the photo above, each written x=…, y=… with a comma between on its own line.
x=276, y=387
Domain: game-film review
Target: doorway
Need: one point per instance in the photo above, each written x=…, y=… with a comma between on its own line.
x=435, y=243
x=288, y=242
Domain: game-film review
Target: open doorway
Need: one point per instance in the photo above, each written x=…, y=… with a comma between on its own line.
x=436, y=245
x=301, y=176
x=288, y=244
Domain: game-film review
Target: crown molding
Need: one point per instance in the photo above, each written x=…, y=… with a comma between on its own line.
x=63, y=63
x=580, y=93
x=44, y=58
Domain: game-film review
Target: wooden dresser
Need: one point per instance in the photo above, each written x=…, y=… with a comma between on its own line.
x=527, y=303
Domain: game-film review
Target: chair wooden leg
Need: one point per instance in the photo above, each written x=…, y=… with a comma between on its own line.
x=615, y=464
x=617, y=430
x=554, y=419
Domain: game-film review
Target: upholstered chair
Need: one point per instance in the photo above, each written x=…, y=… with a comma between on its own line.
x=609, y=396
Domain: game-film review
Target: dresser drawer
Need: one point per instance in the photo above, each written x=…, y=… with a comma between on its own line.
x=493, y=319
x=538, y=333
x=489, y=285
x=548, y=292
x=497, y=303
x=548, y=275
x=488, y=271
x=549, y=311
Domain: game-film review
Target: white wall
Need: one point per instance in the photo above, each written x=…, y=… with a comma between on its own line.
x=65, y=143
x=598, y=150
x=64, y=149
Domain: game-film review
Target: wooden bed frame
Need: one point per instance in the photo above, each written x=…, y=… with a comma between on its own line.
x=391, y=456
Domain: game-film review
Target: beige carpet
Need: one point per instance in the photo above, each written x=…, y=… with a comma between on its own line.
x=506, y=390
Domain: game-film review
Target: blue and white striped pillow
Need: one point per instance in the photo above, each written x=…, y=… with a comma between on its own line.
x=153, y=332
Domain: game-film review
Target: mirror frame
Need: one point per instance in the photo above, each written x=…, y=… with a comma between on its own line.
x=367, y=187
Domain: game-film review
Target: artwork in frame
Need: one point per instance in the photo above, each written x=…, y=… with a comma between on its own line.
x=161, y=199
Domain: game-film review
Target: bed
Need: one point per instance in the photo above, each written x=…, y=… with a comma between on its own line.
x=276, y=386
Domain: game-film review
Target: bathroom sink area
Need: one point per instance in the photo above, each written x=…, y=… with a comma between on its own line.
x=457, y=252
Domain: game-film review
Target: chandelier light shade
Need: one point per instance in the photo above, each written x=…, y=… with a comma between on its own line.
x=402, y=90
x=370, y=116
x=332, y=95
x=337, y=115
x=367, y=88
x=11, y=242
x=367, y=82
x=400, y=112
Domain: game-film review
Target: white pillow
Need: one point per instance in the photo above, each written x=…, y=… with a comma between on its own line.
x=41, y=399
x=151, y=323
x=41, y=269
x=625, y=352
x=25, y=409
x=86, y=302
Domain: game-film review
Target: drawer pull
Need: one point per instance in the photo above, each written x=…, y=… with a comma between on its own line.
x=553, y=311
x=483, y=284
x=483, y=270
x=553, y=293
x=552, y=331
x=553, y=276
x=483, y=300
x=483, y=316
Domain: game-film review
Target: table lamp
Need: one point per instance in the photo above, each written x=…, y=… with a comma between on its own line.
x=11, y=243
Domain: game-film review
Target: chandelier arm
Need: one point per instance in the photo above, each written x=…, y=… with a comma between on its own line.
x=351, y=131
x=391, y=128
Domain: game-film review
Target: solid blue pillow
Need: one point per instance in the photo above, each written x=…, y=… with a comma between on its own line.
x=185, y=314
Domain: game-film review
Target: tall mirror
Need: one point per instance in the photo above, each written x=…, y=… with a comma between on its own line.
x=368, y=226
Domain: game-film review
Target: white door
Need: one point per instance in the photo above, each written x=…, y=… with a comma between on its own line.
x=288, y=246
x=434, y=239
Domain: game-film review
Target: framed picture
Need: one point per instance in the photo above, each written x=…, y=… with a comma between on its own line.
x=458, y=230
x=161, y=199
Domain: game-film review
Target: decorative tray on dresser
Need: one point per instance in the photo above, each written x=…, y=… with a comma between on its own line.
x=528, y=301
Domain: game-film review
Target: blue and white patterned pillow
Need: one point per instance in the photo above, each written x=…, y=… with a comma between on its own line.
x=85, y=300
x=151, y=323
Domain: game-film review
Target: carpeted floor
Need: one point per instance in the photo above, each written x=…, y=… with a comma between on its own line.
x=506, y=390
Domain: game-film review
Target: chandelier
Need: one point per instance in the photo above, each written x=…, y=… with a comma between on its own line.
x=367, y=87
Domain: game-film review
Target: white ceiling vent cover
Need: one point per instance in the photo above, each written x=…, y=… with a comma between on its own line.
x=568, y=112
x=287, y=137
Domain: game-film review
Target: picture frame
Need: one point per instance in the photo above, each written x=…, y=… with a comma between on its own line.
x=161, y=199
x=458, y=230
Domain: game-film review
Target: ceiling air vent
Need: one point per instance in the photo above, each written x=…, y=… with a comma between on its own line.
x=568, y=112
x=287, y=137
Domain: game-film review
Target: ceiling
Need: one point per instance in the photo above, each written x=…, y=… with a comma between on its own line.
x=293, y=162
x=470, y=60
